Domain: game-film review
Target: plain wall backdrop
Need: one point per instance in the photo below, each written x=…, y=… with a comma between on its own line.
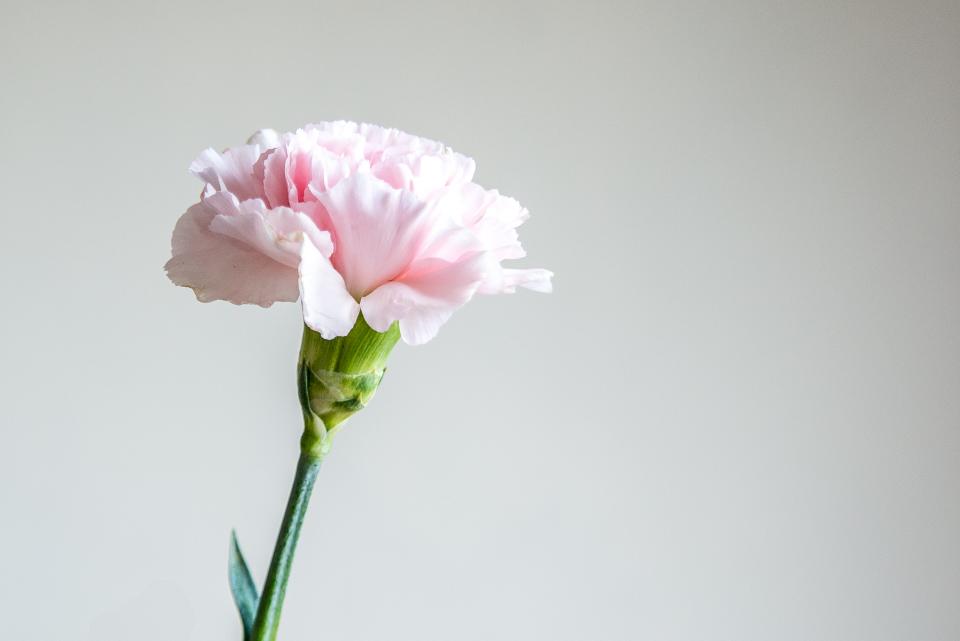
x=737, y=418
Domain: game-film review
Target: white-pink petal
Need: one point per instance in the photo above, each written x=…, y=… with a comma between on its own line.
x=424, y=298
x=277, y=233
x=230, y=171
x=328, y=307
x=218, y=267
x=506, y=281
x=378, y=230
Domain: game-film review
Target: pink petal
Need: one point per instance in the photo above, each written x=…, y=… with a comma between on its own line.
x=218, y=267
x=506, y=281
x=425, y=297
x=424, y=175
x=277, y=233
x=327, y=305
x=272, y=171
x=303, y=165
x=493, y=218
x=378, y=231
x=231, y=171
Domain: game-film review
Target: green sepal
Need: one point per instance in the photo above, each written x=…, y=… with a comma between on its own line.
x=242, y=587
x=337, y=378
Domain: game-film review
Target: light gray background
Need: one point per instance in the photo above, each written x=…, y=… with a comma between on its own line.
x=737, y=418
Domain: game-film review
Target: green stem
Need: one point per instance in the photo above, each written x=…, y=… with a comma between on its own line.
x=271, y=601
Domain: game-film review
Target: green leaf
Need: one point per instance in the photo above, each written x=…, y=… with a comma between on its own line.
x=242, y=586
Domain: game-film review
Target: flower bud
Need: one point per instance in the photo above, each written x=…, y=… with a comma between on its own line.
x=338, y=377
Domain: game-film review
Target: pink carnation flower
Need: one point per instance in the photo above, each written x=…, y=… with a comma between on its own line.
x=349, y=217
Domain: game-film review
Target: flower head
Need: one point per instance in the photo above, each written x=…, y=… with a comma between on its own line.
x=349, y=218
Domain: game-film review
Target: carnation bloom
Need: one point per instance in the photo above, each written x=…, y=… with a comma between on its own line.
x=349, y=218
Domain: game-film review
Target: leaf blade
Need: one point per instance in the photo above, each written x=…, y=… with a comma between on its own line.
x=242, y=587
